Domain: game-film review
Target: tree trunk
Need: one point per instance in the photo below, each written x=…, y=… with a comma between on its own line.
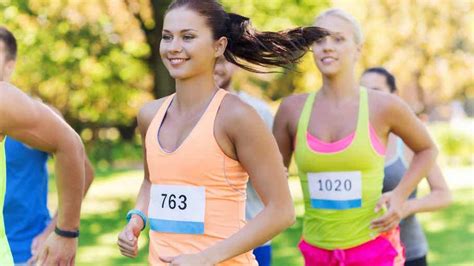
x=127, y=132
x=163, y=83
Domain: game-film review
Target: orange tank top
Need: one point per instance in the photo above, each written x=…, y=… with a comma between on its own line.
x=198, y=195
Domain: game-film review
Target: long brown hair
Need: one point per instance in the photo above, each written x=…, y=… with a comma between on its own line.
x=245, y=43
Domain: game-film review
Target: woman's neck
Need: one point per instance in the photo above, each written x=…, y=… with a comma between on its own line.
x=193, y=93
x=340, y=87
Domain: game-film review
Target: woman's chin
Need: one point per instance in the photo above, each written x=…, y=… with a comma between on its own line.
x=329, y=71
x=177, y=75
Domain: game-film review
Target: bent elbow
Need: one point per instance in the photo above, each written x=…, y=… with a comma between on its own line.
x=73, y=141
x=290, y=216
x=445, y=198
x=448, y=198
x=292, y=220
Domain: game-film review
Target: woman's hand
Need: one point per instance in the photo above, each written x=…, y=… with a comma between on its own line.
x=397, y=210
x=128, y=238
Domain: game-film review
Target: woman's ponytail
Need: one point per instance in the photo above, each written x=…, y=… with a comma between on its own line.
x=246, y=44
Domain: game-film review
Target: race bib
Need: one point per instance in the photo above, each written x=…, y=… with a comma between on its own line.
x=177, y=209
x=335, y=190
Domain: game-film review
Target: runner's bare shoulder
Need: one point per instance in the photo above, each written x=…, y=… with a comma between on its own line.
x=15, y=105
x=294, y=103
x=147, y=113
x=384, y=106
x=290, y=109
x=233, y=109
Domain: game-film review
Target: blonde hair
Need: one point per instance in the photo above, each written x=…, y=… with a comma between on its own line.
x=336, y=12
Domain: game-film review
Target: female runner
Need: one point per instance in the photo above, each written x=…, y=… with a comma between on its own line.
x=339, y=150
x=201, y=144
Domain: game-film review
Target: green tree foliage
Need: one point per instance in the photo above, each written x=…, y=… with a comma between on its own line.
x=149, y=15
x=71, y=57
x=98, y=61
x=427, y=44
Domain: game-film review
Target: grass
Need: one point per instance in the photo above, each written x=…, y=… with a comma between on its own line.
x=450, y=232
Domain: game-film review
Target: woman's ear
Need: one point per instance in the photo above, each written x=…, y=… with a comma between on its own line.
x=219, y=46
x=9, y=68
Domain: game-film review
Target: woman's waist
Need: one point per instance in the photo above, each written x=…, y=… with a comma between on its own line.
x=333, y=234
x=196, y=242
x=347, y=216
x=166, y=245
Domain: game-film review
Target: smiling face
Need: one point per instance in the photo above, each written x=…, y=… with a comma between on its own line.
x=187, y=47
x=339, y=51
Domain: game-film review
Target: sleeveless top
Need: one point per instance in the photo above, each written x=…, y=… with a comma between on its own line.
x=26, y=210
x=340, y=189
x=197, y=197
x=5, y=254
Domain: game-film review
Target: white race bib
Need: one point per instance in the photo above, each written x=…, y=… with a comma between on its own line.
x=335, y=190
x=177, y=209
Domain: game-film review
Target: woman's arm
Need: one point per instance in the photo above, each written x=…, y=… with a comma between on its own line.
x=402, y=122
x=128, y=238
x=438, y=198
x=281, y=131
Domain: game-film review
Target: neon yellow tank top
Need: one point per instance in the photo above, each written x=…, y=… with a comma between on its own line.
x=5, y=254
x=341, y=188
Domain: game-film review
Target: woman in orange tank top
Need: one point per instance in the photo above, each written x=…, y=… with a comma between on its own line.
x=200, y=144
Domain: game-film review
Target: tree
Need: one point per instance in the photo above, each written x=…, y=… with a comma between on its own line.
x=70, y=57
x=150, y=15
x=98, y=61
x=427, y=44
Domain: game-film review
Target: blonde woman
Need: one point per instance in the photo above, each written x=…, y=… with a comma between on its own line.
x=338, y=135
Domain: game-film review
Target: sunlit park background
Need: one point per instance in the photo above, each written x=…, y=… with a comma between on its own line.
x=97, y=62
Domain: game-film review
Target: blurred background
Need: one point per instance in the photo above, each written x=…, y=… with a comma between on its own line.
x=97, y=62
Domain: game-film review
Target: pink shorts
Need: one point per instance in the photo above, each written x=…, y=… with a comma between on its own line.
x=385, y=250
